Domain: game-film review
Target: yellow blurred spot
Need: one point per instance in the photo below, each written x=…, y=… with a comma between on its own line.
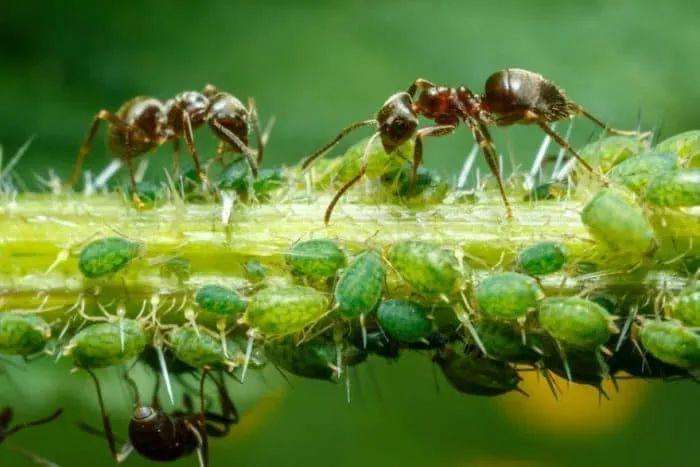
x=580, y=408
x=496, y=462
x=254, y=417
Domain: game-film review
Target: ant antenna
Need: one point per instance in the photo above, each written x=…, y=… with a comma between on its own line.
x=346, y=131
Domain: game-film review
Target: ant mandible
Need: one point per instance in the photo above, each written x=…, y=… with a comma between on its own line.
x=145, y=123
x=511, y=96
x=163, y=437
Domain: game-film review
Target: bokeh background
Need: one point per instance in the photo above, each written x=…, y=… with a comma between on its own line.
x=316, y=66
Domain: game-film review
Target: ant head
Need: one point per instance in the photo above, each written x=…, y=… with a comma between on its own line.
x=148, y=115
x=397, y=121
x=230, y=113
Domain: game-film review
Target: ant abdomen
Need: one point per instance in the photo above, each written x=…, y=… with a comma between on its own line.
x=147, y=115
x=159, y=437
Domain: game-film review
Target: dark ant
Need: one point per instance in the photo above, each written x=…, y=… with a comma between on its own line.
x=159, y=436
x=145, y=123
x=512, y=96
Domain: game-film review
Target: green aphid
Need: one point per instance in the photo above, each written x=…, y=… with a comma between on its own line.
x=316, y=259
x=313, y=359
x=148, y=192
x=107, y=256
x=267, y=182
x=504, y=342
x=687, y=306
x=614, y=219
x=196, y=348
x=542, y=258
x=507, y=296
x=178, y=267
x=675, y=189
x=255, y=271
x=576, y=322
x=476, y=375
x=360, y=285
x=607, y=152
x=238, y=177
x=285, y=310
x=107, y=344
x=672, y=343
x=220, y=300
x=427, y=267
x=404, y=321
x=22, y=334
x=429, y=187
x=686, y=145
x=636, y=172
x=547, y=191
x=378, y=162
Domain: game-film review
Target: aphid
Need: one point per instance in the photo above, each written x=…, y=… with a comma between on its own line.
x=607, y=152
x=22, y=334
x=477, y=375
x=672, y=343
x=507, y=296
x=316, y=259
x=144, y=123
x=512, y=96
x=404, y=321
x=617, y=221
x=636, y=172
x=576, y=322
x=675, y=189
x=542, y=258
x=197, y=349
x=238, y=177
x=359, y=287
x=547, y=191
x=428, y=187
x=374, y=341
x=178, y=267
x=314, y=359
x=6, y=416
x=427, y=267
x=686, y=145
x=107, y=344
x=285, y=310
x=504, y=342
x=687, y=306
x=150, y=194
x=581, y=367
x=220, y=300
x=107, y=256
x=631, y=359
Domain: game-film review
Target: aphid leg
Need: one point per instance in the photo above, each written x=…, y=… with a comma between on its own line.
x=608, y=129
x=564, y=144
x=102, y=115
x=440, y=130
x=483, y=137
x=235, y=141
x=564, y=360
x=108, y=433
x=39, y=421
x=255, y=124
x=351, y=182
x=189, y=139
x=363, y=328
x=421, y=84
x=344, y=132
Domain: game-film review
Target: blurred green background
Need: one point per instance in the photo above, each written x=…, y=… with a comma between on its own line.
x=317, y=66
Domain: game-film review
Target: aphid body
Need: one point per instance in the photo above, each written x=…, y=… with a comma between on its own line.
x=107, y=256
x=107, y=344
x=316, y=259
x=22, y=334
x=576, y=322
x=542, y=258
x=360, y=285
x=427, y=267
x=404, y=321
x=278, y=311
x=507, y=296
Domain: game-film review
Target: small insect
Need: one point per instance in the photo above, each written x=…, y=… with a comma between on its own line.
x=316, y=259
x=478, y=376
x=427, y=267
x=22, y=333
x=512, y=96
x=687, y=306
x=285, y=310
x=145, y=123
x=404, y=321
x=107, y=344
x=686, y=145
x=508, y=296
x=542, y=258
x=107, y=256
x=359, y=287
x=220, y=300
x=675, y=189
x=672, y=343
x=636, y=172
x=6, y=416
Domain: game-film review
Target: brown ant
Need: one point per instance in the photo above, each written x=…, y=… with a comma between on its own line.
x=512, y=96
x=159, y=436
x=145, y=123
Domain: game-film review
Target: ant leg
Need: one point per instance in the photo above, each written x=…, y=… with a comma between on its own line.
x=228, y=408
x=255, y=123
x=562, y=142
x=102, y=115
x=189, y=139
x=608, y=129
x=132, y=177
x=351, y=182
x=203, y=448
x=235, y=141
x=421, y=84
x=441, y=130
x=176, y=156
x=40, y=421
x=108, y=433
x=483, y=137
x=343, y=133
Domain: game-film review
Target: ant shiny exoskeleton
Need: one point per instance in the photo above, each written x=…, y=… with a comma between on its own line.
x=160, y=436
x=144, y=123
x=511, y=96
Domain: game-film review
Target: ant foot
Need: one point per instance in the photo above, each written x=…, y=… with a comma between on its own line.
x=137, y=202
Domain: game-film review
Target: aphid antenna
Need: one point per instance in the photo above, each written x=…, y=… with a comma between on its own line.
x=463, y=317
x=536, y=168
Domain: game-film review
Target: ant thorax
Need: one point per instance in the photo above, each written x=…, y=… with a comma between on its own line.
x=445, y=105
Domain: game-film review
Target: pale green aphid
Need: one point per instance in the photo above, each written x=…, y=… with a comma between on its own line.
x=672, y=343
x=360, y=285
x=279, y=311
x=507, y=296
x=107, y=256
x=107, y=344
x=676, y=189
x=196, y=348
x=316, y=259
x=636, y=172
x=22, y=333
x=607, y=152
x=219, y=300
x=614, y=219
x=542, y=258
x=427, y=267
x=576, y=322
x=404, y=321
x=686, y=145
x=687, y=306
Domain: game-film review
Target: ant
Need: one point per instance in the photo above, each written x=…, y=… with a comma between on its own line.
x=159, y=436
x=512, y=96
x=6, y=416
x=145, y=123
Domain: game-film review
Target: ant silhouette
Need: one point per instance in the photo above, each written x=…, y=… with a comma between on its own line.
x=145, y=123
x=164, y=437
x=512, y=96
